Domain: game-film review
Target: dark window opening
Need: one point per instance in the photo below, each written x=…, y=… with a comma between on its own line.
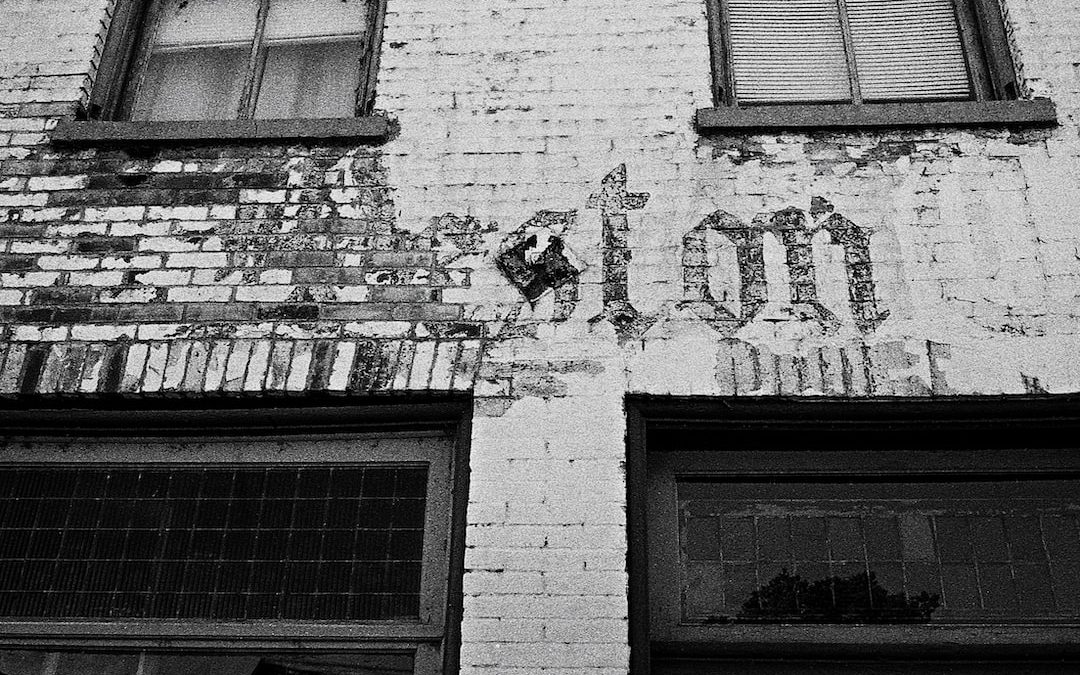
x=275, y=541
x=836, y=537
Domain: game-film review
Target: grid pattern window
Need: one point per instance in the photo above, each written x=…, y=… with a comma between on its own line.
x=843, y=552
x=118, y=554
x=175, y=60
x=859, y=51
x=833, y=538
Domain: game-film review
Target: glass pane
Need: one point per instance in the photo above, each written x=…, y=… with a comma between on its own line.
x=198, y=60
x=787, y=51
x=310, y=80
x=305, y=19
x=878, y=552
x=15, y=662
x=182, y=554
x=908, y=49
x=187, y=23
x=313, y=58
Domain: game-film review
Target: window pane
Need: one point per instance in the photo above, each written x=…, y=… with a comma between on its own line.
x=888, y=552
x=908, y=49
x=15, y=662
x=787, y=51
x=310, y=80
x=313, y=58
x=305, y=19
x=198, y=60
x=135, y=561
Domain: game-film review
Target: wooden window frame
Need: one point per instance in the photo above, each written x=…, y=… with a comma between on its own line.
x=703, y=426
x=122, y=66
x=992, y=74
x=256, y=435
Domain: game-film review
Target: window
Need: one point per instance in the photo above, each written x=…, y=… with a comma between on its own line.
x=837, y=538
x=238, y=59
x=311, y=550
x=197, y=70
x=866, y=54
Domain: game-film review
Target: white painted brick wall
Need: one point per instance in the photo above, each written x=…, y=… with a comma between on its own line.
x=509, y=107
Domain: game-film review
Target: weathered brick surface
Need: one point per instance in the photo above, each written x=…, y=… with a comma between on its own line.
x=932, y=261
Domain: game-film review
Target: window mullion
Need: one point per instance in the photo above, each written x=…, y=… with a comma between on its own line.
x=256, y=63
x=849, y=52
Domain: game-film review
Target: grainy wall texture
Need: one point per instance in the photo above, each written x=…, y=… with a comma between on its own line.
x=548, y=231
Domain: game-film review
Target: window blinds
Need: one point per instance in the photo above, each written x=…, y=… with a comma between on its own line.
x=785, y=51
x=907, y=49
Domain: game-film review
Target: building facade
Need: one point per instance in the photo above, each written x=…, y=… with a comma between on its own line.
x=620, y=279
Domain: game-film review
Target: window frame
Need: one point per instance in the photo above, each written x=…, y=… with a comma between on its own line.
x=996, y=95
x=122, y=66
x=434, y=638
x=700, y=424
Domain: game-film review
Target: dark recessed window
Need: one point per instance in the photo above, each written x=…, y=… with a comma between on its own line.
x=859, y=51
x=925, y=552
x=244, y=542
x=238, y=59
x=884, y=538
x=254, y=556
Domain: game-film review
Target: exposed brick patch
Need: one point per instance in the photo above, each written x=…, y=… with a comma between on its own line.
x=535, y=258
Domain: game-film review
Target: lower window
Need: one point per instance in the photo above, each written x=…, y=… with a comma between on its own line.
x=297, y=552
x=833, y=538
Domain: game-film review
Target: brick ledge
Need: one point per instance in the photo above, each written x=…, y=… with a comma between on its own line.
x=1040, y=111
x=75, y=132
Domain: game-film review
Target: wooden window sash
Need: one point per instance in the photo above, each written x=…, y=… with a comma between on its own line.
x=130, y=42
x=256, y=64
x=1002, y=78
x=117, y=57
x=369, y=57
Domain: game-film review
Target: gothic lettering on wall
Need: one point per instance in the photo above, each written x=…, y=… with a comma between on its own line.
x=614, y=201
x=786, y=289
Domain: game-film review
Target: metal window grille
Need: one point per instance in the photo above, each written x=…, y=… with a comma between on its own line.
x=343, y=542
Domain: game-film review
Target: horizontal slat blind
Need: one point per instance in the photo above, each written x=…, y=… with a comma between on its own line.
x=787, y=51
x=908, y=49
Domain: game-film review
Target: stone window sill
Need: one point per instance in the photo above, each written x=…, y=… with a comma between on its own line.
x=362, y=129
x=1036, y=112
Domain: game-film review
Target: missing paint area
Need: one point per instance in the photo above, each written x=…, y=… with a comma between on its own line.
x=537, y=263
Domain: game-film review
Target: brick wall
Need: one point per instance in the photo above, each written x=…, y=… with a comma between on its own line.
x=921, y=262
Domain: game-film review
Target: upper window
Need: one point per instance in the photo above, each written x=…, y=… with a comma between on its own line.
x=239, y=556
x=238, y=59
x=856, y=51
